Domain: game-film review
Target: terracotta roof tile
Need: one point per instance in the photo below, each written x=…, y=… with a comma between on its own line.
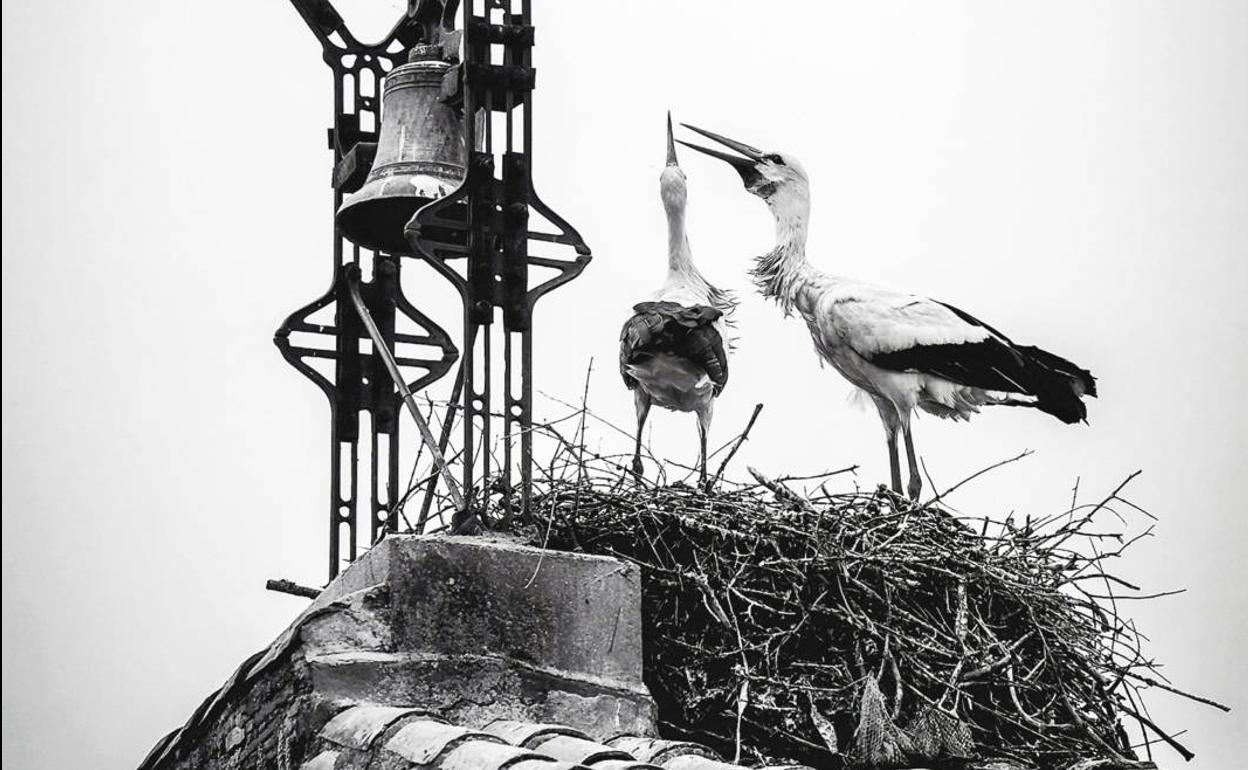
x=487, y=755
x=657, y=751
x=624, y=764
x=359, y=726
x=579, y=751
x=697, y=762
x=395, y=737
x=527, y=733
x=424, y=740
x=544, y=763
x=323, y=761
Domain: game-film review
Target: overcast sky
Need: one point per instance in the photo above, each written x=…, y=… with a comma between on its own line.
x=1074, y=173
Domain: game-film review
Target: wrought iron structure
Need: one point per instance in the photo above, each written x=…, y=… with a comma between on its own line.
x=360, y=382
x=478, y=237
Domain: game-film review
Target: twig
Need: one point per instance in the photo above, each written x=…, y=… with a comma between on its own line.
x=781, y=491
x=974, y=476
x=1186, y=753
x=737, y=445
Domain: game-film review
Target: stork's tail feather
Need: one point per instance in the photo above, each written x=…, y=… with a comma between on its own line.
x=1058, y=385
x=1082, y=378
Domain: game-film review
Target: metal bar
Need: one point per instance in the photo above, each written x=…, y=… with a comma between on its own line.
x=379, y=345
x=350, y=518
x=526, y=417
x=447, y=426
x=508, y=423
x=487, y=398
x=335, y=491
x=291, y=587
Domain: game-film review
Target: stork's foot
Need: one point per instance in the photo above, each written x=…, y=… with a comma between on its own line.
x=639, y=470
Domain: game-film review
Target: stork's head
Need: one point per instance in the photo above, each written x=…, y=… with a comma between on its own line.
x=773, y=176
x=672, y=187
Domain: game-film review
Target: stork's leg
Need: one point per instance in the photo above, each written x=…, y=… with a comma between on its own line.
x=642, y=403
x=890, y=418
x=894, y=462
x=916, y=481
x=704, y=427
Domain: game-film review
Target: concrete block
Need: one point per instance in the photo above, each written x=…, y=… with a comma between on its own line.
x=569, y=612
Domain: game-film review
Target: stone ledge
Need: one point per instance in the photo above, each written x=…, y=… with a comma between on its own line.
x=470, y=629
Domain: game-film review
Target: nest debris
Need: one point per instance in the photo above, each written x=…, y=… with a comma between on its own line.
x=858, y=630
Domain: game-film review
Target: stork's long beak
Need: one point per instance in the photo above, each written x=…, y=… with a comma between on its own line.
x=671, y=144
x=745, y=166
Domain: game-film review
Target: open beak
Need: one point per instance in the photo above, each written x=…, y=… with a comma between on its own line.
x=671, y=144
x=745, y=166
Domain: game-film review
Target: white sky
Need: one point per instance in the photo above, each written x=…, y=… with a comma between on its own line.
x=1074, y=173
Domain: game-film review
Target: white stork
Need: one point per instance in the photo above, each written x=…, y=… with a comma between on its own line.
x=672, y=351
x=902, y=350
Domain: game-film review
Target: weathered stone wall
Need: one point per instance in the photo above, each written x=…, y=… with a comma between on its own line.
x=270, y=725
x=465, y=629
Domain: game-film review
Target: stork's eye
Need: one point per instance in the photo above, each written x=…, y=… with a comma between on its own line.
x=774, y=158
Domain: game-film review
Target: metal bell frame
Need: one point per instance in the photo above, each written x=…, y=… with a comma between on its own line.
x=484, y=224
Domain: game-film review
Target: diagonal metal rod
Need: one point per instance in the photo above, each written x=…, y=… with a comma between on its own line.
x=452, y=486
x=444, y=440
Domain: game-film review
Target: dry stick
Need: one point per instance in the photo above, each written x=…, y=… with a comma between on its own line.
x=974, y=476
x=740, y=440
x=412, y=485
x=426, y=435
x=580, y=474
x=1170, y=741
x=1169, y=688
x=781, y=491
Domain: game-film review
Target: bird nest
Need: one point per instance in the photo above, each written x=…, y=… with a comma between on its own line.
x=859, y=630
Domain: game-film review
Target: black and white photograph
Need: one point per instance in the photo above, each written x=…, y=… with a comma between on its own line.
x=649, y=385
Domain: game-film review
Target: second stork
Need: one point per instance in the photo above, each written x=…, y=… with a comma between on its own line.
x=672, y=350
x=905, y=351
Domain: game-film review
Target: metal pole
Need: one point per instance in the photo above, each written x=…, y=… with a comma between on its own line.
x=387, y=357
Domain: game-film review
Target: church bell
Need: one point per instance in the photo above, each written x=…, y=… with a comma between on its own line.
x=421, y=155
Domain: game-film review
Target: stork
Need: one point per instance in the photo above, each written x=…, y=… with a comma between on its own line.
x=672, y=351
x=902, y=350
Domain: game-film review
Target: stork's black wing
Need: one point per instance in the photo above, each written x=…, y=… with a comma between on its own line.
x=667, y=327
x=996, y=363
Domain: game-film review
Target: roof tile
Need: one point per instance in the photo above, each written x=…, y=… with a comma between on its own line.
x=657, y=751
x=488, y=755
x=547, y=763
x=424, y=740
x=354, y=739
x=623, y=764
x=569, y=748
x=323, y=761
x=697, y=762
x=358, y=726
x=526, y=733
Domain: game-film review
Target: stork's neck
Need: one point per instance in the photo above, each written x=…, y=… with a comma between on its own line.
x=679, y=255
x=778, y=273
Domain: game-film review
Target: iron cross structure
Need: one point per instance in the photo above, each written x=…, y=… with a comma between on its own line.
x=485, y=230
